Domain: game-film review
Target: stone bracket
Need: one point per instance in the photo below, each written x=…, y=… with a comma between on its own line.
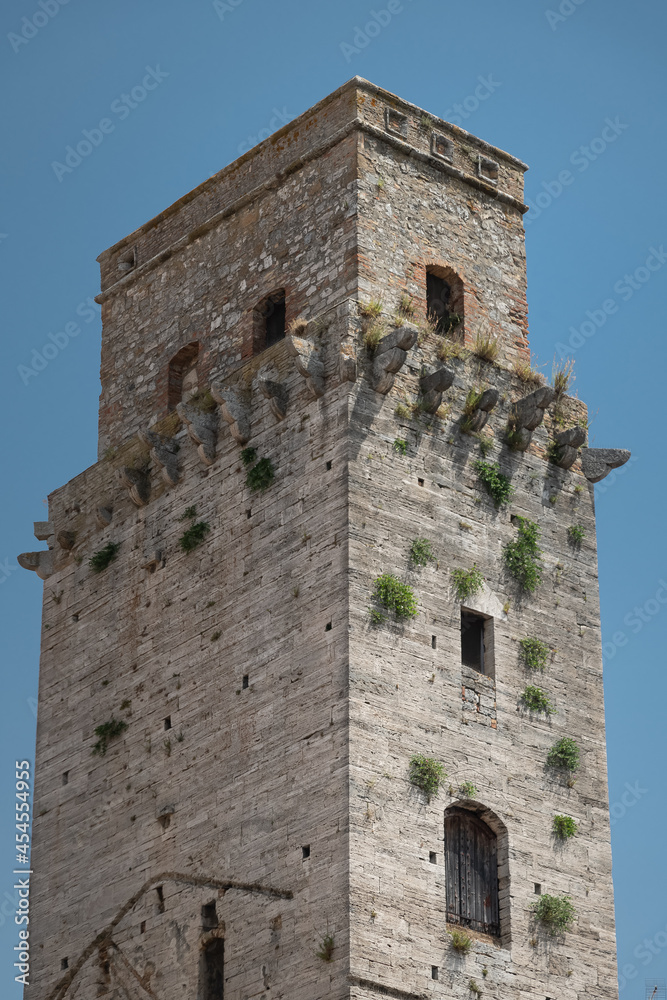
x=432, y=387
x=103, y=516
x=163, y=452
x=528, y=413
x=276, y=393
x=138, y=484
x=235, y=411
x=43, y=530
x=568, y=443
x=308, y=363
x=202, y=428
x=347, y=365
x=390, y=356
x=598, y=462
x=478, y=419
x=40, y=563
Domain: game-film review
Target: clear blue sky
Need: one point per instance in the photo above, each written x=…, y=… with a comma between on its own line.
x=220, y=77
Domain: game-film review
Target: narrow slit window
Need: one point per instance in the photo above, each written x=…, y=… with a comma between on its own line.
x=269, y=321
x=212, y=971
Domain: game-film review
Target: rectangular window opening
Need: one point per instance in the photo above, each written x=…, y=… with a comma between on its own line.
x=433, y=857
x=248, y=513
x=420, y=482
x=328, y=466
x=142, y=927
x=160, y=899
x=434, y=972
x=167, y=722
x=327, y=627
x=65, y=777
x=246, y=680
x=477, y=641
x=64, y=963
x=434, y=642
x=538, y=888
x=209, y=916
x=305, y=851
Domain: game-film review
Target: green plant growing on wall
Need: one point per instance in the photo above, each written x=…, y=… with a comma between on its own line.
x=555, y=913
x=108, y=731
x=467, y=582
x=406, y=305
x=475, y=988
x=554, y=452
x=403, y=412
x=485, y=444
x=537, y=700
x=326, y=949
x=401, y=446
x=575, y=535
x=534, y=653
x=421, y=552
x=371, y=310
x=523, y=556
x=392, y=595
x=194, y=536
x=189, y=514
x=104, y=557
x=562, y=375
x=203, y=401
x=260, y=476
x=496, y=484
x=513, y=438
x=564, y=754
x=564, y=827
x=427, y=774
x=461, y=942
x=248, y=456
x=485, y=347
x=467, y=789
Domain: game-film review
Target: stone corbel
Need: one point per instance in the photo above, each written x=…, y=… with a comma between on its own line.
x=347, y=365
x=235, y=411
x=432, y=387
x=40, y=563
x=598, y=462
x=66, y=540
x=202, y=428
x=44, y=530
x=163, y=452
x=567, y=448
x=390, y=356
x=276, y=393
x=527, y=414
x=103, y=516
x=308, y=363
x=138, y=484
x=477, y=420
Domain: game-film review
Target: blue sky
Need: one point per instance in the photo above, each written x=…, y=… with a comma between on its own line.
x=577, y=89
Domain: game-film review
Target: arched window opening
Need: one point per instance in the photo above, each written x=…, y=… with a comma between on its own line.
x=269, y=321
x=212, y=971
x=182, y=377
x=444, y=300
x=471, y=861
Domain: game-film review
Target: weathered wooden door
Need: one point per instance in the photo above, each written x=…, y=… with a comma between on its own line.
x=471, y=872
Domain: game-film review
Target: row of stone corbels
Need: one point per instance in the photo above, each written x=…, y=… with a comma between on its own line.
x=525, y=416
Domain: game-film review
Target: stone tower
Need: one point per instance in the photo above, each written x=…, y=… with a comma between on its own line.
x=338, y=533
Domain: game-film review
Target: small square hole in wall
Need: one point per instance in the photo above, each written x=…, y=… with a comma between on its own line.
x=442, y=147
x=434, y=972
x=305, y=851
x=488, y=169
x=434, y=642
x=420, y=482
x=433, y=857
x=245, y=681
x=64, y=963
x=328, y=466
x=65, y=777
x=142, y=927
x=538, y=888
x=395, y=122
x=167, y=722
x=327, y=627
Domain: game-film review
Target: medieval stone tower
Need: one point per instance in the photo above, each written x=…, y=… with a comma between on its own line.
x=338, y=533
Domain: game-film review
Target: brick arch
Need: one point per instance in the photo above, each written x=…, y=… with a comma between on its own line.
x=180, y=365
x=472, y=828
